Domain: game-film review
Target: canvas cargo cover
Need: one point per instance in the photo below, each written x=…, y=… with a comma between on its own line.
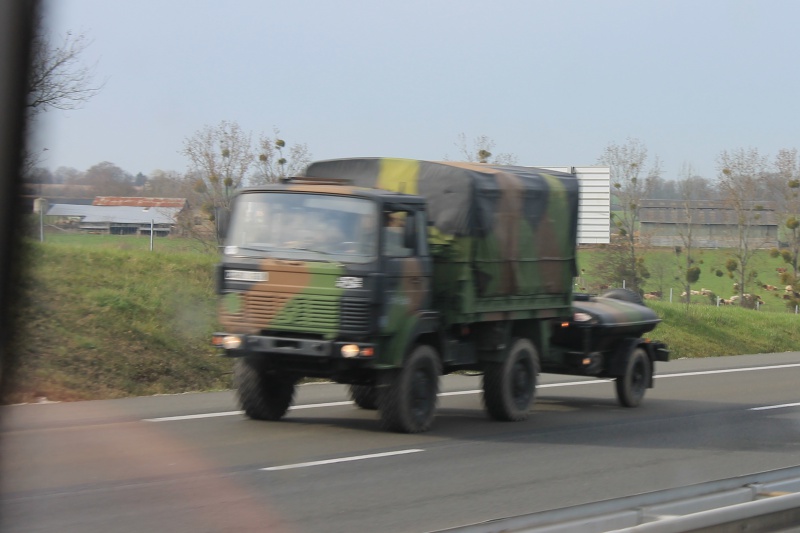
x=517, y=224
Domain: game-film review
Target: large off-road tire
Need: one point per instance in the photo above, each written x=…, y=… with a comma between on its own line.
x=408, y=403
x=509, y=388
x=364, y=396
x=638, y=373
x=262, y=395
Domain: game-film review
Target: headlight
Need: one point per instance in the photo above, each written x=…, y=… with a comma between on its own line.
x=231, y=342
x=350, y=350
x=354, y=350
x=581, y=317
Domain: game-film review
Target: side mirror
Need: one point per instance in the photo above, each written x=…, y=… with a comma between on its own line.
x=222, y=217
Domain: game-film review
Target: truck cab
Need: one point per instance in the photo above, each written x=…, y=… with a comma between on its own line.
x=318, y=279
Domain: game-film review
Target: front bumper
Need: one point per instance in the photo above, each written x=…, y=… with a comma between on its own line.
x=264, y=345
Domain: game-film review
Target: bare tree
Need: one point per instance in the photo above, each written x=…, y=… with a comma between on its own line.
x=784, y=186
x=688, y=267
x=276, y=161
x=58, y=78
x=107, y=179
x=220, y=158
x=740, y=177
x=481, y=151
x=629, y=185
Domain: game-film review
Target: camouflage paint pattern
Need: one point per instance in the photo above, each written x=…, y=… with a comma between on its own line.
x=299, y=296
x=503, y=237
x=406, y=294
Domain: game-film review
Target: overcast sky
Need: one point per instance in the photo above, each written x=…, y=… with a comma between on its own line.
x=552, y=82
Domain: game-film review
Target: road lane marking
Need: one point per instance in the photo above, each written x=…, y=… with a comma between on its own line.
x=478, y=391
x=342, y=460
x=234, y=413
x=774, y=407
x=192, y=417
x=727, y=371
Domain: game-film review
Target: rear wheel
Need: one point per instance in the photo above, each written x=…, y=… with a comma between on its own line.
x=408, y=404
x=509, y=388
x=364, y=396
x=638, y=373
x=262, y=395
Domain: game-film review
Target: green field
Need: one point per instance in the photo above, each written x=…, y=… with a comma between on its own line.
x=103, y=317
x=126, y=242
x=663, y=266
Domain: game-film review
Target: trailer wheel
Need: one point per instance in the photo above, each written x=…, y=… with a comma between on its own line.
x=364, y=396
x=632, y=386
x=262, y=396
x=509, y=388
x=408, y=404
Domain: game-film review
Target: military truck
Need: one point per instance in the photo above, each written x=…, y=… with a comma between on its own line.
x=384, y=274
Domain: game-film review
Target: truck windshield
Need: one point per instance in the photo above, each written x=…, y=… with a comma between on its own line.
x=294, y=225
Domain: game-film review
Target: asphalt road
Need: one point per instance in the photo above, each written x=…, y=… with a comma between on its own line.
x=151, y=464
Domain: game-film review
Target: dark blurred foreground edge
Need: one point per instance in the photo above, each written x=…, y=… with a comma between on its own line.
x=16, y=29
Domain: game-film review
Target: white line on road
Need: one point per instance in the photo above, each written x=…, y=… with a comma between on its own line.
x=774, y=407
x=342, y=460
x=727, y=371
x=234, y=413
x=478, y=391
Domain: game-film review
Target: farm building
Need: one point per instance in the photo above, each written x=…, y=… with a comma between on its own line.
x=714, y=224
x=120, y=216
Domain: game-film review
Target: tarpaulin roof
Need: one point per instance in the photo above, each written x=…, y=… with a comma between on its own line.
x=465, y=199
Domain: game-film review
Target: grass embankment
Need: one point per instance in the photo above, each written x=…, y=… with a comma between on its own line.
x=106, y=318
x=104, y=322
x=709, y=331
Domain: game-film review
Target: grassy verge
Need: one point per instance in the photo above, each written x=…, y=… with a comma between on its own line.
x=106, y=323
x=708, y=331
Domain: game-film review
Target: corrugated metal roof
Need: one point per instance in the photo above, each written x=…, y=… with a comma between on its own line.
x=139, y=201
x=116, y=214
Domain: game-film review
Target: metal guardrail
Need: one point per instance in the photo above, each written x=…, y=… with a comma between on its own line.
x=763, y=502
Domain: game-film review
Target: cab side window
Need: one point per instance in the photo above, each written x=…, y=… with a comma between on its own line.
x=396, y=225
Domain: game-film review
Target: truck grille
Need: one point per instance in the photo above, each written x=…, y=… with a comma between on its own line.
x=355, y=317
x=294, y=312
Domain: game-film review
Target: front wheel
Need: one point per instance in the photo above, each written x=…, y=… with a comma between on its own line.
x=262, y=395
x=638, y=373
x=509, y=388
x=408, y=404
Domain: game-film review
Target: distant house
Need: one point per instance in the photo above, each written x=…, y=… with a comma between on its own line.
x=714, y=224
x=121, y=216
